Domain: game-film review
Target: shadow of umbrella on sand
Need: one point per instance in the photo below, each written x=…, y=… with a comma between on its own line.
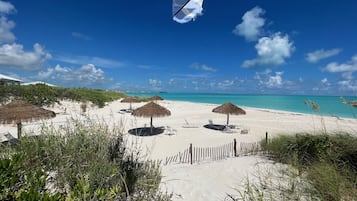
x=19, y=111
x=130, y=100
x=151, y=110
x=229, y=108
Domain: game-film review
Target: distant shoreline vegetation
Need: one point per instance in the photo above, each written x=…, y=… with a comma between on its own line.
x=44, y=95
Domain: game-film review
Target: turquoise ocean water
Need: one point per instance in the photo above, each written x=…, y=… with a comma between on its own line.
x=329, y=105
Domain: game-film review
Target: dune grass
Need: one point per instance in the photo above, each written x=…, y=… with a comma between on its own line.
x=43, y=95
x=79, y=161
x=326, y=166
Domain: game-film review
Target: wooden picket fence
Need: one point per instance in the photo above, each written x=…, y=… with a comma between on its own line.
x=193, y=154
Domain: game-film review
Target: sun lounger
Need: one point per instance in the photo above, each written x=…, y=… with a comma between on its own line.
x=244, y=131
x=170, y=131
x=7, y=138
x=188, y=125
x=227, y=129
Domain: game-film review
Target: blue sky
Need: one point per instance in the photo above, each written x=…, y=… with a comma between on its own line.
x=234, y=46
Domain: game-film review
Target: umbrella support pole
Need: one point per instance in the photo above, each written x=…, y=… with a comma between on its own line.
x=151, y=125
x=227, y=119
x=19, y=130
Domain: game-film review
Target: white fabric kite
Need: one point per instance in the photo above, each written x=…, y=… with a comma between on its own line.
x=184, y=11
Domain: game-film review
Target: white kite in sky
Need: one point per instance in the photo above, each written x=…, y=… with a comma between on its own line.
x=184, y=11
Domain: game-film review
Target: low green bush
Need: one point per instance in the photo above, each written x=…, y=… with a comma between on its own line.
x=44, y=95
x=329, y=161
x=79, y=161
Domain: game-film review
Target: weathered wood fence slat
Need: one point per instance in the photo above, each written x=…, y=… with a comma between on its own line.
x=198, y=154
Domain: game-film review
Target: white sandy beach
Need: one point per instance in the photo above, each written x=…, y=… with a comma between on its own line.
x=208, y=180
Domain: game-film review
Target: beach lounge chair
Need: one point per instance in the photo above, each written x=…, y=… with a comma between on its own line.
x=244, y=131
x=170, y=131
x=7, y=138
x=228, y=129
x=188, y=125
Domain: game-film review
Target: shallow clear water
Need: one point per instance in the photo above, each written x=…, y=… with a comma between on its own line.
x=329, y=105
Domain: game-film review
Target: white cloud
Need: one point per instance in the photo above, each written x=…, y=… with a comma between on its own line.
x=252, y=24
x=349, y=66
x=324, y=85
x=226, y=84
x=317, y=55
x=13, y=55
x=275, y=81
x=191, y=10
x=267, y=80
x=348, y=85
x=325, y=82
x=155, y=84
x=6, y=36
x=6, y=7
x=81, y=36
x=84, y=76
x=272, y=51
x=97, y=61
x=203, y=67
x=171, y=81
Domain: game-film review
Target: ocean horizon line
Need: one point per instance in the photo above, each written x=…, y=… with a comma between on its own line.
x=328, y=105
x=233, y=93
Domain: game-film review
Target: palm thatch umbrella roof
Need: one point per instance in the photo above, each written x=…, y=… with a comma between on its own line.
x=229, y=108
x=19, y=111
x=130, y=100
x=151, y=110
x=156, y=98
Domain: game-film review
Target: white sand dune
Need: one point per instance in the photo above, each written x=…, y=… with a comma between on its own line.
x=208, y=180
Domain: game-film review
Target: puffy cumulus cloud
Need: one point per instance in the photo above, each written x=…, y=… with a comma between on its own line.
x=348, y=85
x=86, y=75
x=155, y=84
x=6, y=8
x=324, y=85
x=189, y=12
x=349, y=66
x=275, y=81
x=267, y=80
x=318, y=55
x=251, y=26
x=13, y=55
x=272, y=51
x=203, y=67
x=6, y=36
x=346, y=70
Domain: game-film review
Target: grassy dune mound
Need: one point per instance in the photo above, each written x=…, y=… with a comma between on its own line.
x=80, y=161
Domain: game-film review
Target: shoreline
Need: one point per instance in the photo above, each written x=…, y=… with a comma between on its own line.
x=329, y=105
x=276, y=111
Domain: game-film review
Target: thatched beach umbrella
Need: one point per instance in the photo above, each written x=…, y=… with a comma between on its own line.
x=151, y=110
x=19, y=111
x=156, y=98
x=229, y=108
x=130, y=100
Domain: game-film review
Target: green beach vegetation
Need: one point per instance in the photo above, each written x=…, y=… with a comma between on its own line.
x=318, y=167
x=44, y=95
x=81, y=160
